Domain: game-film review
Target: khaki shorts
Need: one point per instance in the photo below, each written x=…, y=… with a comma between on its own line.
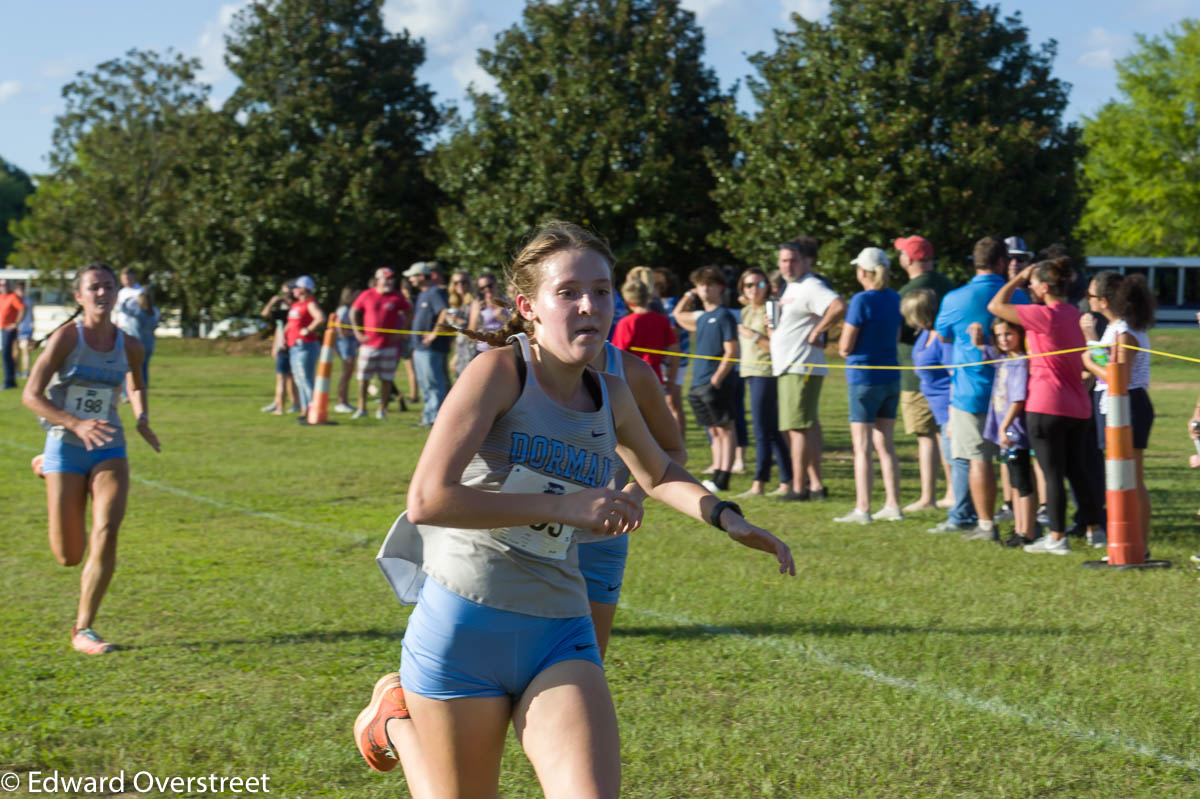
x=966, y=436
x=799, y=400
x=918, y=419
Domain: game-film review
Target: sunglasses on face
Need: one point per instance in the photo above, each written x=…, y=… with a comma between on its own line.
x=755, y=284
x=1021, y=259
x=461, y=282
x=486, y=286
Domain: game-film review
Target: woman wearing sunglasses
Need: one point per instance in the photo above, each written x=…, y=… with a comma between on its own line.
x=489, y=310
x=755, y=368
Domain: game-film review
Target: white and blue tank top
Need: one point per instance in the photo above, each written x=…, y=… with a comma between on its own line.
x=88, y=385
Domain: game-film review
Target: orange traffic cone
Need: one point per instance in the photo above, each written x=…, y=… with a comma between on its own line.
x=318, y=409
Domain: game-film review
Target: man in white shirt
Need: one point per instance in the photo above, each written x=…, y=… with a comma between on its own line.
x=807, y=309
x=127, y=297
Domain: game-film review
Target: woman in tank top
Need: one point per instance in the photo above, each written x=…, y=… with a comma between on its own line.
x=502, y=624
x=74, y=388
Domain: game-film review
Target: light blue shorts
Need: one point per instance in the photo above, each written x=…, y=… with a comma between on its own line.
x=454, y=648
x=603, y=566
x=59, y=456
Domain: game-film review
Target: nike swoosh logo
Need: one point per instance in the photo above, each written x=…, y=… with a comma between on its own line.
x=613, y=587
x=581, y=647
x=597, y=435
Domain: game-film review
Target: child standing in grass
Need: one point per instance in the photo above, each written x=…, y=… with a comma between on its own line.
x=1005, y=425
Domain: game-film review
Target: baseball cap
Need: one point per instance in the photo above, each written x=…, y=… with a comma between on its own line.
x=872, y=258
x=384, y=271
x=917, y=248
x=419, y=268
x=1016, y=246
x=304, y=282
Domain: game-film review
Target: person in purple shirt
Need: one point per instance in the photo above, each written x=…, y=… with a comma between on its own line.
x=971, y=387
x=869, y=338
x=919, y=308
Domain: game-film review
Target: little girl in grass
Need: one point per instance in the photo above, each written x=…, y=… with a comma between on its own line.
x=1005, y=423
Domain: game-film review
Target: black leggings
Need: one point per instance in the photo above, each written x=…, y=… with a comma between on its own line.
x=1060, y=443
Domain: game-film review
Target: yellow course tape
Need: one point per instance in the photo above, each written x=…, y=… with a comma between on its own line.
x=365, y=329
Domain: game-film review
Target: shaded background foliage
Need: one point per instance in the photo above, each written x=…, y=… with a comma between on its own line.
x=890, y=118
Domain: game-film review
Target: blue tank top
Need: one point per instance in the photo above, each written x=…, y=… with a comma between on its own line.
x=88, y=385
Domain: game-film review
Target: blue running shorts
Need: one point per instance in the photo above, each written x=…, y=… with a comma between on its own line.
x=454, y=648
x=603, y=566
x=59, y=456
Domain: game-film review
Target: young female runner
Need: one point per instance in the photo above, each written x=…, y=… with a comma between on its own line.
x=84, y=366
x=501, y=632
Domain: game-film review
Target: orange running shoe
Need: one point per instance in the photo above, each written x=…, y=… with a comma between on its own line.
x=89, y=642
x=36, y=465
x=370, y=728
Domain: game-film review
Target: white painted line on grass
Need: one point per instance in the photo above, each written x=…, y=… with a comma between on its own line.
x=995, y=707
x=245, y=511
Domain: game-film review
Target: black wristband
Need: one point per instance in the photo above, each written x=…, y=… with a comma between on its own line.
x=714, y=516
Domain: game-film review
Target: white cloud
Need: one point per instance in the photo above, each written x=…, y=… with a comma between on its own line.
x=8, y=89
x=438, y=22
x=210, y=47
x=1102, y=48
x=809, y=9
x=702, y=8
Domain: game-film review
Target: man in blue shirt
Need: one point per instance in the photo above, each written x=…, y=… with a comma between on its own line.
x=971, y=388
x=430, y=350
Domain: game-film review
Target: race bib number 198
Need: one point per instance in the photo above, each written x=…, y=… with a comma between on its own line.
x=88, y=403
x=546, y=540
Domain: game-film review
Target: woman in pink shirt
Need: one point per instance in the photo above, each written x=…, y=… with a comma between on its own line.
x=1057, y=408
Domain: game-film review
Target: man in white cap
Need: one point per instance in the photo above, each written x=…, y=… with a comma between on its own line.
x=1019, y=255
x=378, y=309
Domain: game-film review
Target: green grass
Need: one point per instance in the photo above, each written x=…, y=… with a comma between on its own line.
x=254, y=621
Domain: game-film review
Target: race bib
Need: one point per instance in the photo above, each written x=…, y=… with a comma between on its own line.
x=88, y=403
x=546, y=540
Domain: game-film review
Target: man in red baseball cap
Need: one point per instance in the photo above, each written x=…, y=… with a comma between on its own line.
x=377, y=309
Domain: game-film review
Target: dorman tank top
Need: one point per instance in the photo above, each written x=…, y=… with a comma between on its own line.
x=537, y=446
x=88, y=385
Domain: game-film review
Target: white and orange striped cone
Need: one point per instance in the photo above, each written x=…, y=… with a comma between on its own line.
x=1127, y=530
x=318, y=408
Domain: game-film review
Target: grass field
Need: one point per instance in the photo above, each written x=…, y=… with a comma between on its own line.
x=253, y=623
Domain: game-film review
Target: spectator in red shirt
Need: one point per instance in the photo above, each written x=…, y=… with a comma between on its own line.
x=11, y=310
x=642, y=327
x=377, y=309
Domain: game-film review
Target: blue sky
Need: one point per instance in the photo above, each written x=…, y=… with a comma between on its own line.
x=46, y=42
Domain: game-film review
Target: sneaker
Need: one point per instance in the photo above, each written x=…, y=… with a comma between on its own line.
x=36, y=465
x=380, y=414
x=1005, y=514
x=979, y=534
x=748, y=493
x=269, y=408
x=917, y=507
x=359, y=413
x=793, y=496
x=782, y=491
x=1043, y=516
x=1196, y=558
x=342, y=407
x=855, y=516
x=710, y=486
x=89, y=642
x=370, y=728
x=1046, y=545
x=1015, y=540
x=1098, y=539
x=947, y=527
x=819, y=493
x=888, y=514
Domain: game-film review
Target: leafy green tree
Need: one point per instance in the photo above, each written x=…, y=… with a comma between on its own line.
x=602, y=115
x=325, y=176
x=898, y=117
x=15, y=186
x=1143, y=161
x=119, y=165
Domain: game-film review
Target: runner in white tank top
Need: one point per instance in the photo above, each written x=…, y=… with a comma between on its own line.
x=564, y=716
x=73, y=388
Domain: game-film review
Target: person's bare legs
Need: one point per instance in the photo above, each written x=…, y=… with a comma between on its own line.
x=110, y=492
x=947, y=501
x=675, y=406
x=411, y=375
x=1025, y=515
x=983, y=489
x=66, y=503
x=362, y=393
x=293, y=395
x=1039, y=477
x=813, y=451
x=385, y=392
x=280, y=385
x=927, y=462
x=883, y=438
x=566, y=722
x=343, y=392
x=451, y=747
x=603, y=615
x=860, y=438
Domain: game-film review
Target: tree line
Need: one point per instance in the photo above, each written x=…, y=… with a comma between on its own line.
x=893, y=117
